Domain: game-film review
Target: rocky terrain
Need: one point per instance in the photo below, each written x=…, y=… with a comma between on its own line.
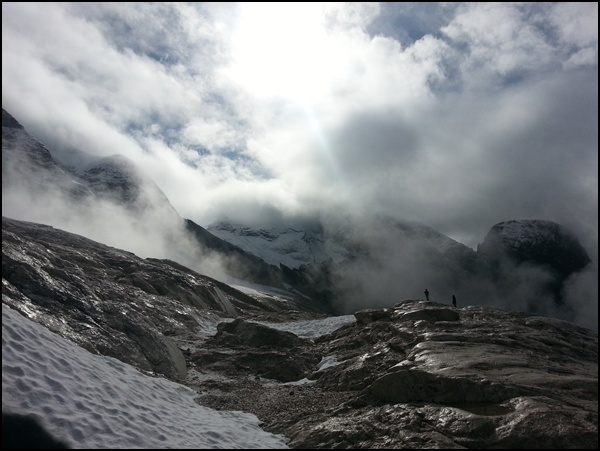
x=416, y=375
x=327, y=266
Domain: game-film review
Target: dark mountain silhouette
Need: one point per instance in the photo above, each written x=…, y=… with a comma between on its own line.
x=532, y=247
x=535, y=241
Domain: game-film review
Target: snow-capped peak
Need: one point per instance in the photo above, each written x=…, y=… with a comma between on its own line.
x=532, y=231
x=281, y=245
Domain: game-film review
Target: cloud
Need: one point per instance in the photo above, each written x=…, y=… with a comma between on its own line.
x=456, y=115
x=400, y=262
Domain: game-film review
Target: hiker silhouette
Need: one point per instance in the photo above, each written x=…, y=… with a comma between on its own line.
x=426, y=294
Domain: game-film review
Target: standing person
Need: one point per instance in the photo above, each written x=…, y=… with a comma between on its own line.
x=426, y=294
x=454, y=300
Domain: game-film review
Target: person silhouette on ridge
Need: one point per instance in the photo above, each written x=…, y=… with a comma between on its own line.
x=454, y=300
x=426, y=294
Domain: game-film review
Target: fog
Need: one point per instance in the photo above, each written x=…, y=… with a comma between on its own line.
x=427, y=113
x=400, y=265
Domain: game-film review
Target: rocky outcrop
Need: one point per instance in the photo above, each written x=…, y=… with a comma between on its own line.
x=540, y=242
x=422, y=375
x=536, y=254
x=109, y=301
x=416, y=375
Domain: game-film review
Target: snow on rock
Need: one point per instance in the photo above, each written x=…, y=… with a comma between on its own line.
x=289, y=246
x=537, y=241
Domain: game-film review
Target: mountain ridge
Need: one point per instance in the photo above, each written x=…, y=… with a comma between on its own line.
x=330, y=264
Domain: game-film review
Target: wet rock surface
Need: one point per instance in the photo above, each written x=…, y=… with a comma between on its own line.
x=416, y=375
x=109, y=301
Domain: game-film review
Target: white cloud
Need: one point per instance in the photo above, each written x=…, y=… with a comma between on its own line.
x=577, y=24
x=484, y=112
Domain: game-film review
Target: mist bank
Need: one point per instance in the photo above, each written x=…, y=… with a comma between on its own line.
x=112, y=201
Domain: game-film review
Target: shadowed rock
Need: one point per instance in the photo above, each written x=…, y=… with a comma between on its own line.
x=244, y=333
x=25, y=432
x=417, y=375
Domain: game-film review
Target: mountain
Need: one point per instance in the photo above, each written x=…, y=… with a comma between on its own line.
x=292, y=246
x=401, y=373
x=336, y=265
x=537, y=242
x=28, y=166
x=330, y=261
x=417, y=374
x=118, y=179
x=300, y=285
x=538, y=253
x=295, y=246
x=109, y=199
x=531, y=260
x=111, y=301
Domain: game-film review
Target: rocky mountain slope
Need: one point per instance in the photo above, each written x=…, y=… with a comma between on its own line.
x=110, y=301
x=416, y=375
x=110, y=196
x=531, y=258
x=28, y=165
x=331, y=266
x=535, y=241
x=296, y=246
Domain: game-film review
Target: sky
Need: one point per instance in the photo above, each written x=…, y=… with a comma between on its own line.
x=455, y=115
x=92, y=401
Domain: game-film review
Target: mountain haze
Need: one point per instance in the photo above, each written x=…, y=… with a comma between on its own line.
x=333, y=264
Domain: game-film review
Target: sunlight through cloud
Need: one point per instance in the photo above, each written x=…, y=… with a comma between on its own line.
x=282, y=50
